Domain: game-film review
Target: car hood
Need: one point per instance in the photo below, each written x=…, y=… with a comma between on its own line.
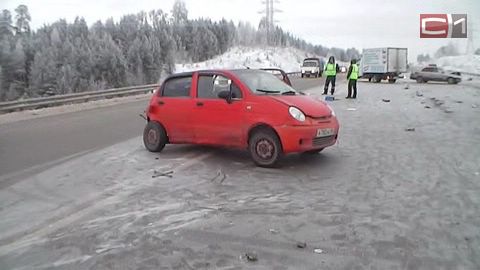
x=309, y=105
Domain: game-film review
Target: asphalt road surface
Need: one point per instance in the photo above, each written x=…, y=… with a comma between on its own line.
x=29, y=146
x=399, y=191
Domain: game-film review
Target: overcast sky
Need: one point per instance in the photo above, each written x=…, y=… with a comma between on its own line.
x=331, y=23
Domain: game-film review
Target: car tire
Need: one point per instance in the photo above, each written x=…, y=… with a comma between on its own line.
x=378, y=79
x=314, y=152
x=265, y=148
x=420, y=80
x=451, y=81
x=392, y=80
x=154, y=137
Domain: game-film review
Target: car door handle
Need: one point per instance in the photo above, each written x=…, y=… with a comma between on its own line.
x=199, y=104
x=160, y=102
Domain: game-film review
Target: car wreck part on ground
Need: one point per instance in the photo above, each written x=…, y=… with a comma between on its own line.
x=386, y=100
x=410, y=129
x=251, y=257
x=301, y=245
x=162, y=174
x=318, y=251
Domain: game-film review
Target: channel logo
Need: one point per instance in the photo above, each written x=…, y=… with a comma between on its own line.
x=443, y=25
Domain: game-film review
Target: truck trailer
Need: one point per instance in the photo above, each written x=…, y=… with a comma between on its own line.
x=379, y=64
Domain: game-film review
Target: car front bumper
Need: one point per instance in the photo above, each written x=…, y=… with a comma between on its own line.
x=302, y=138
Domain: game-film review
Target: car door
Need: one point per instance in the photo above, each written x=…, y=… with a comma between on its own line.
x=175, y=104
x=216, y=120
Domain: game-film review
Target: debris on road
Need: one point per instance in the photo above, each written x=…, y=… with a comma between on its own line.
x=351, y=109
x=410, y=129
x=427, y=107
x=407, y=86
x=318, y=251
x=273, y=231
x=386, y=100
x=220, y=175
x=162, y=174
x=419, y=94
x=301, y=245
x=459, y=101
x=329, y=98
x=448, y=111
x=252, y=257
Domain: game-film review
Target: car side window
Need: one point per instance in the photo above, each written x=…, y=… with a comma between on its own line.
x=209, y=86
x=428, y=69
x=177, y=87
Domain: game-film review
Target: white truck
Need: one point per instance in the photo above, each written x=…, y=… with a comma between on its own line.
x=379, y=64
x=312, y=67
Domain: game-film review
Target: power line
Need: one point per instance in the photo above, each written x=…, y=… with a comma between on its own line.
x=269, y=18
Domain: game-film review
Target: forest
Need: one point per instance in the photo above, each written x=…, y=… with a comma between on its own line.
x=70, y=57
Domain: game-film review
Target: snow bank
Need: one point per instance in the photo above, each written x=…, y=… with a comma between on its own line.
x=465, y=63
x=288, y=59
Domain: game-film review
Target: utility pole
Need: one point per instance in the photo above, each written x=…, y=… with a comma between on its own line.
x=269, y=12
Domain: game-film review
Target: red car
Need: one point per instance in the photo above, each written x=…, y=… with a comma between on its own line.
x=250, y=109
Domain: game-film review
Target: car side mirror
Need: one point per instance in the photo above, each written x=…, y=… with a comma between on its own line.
x=225, y=95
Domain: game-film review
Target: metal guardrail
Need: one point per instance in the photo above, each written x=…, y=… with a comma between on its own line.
x=42, y=102
x=34, y=103
x=470, y=74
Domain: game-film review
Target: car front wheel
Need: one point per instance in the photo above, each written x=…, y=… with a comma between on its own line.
x=419, y=80
x=154, y=137
x=451, y=81
x=265, y=148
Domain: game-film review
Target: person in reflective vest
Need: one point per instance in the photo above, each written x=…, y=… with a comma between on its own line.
x=352, y=76
x=331, y=69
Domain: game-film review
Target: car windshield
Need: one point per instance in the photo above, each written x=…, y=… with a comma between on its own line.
x=310, y=64
x=264, y=83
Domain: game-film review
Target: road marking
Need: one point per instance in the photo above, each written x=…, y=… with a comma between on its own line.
x=88, y=207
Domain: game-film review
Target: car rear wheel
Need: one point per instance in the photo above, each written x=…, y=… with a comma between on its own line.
x=154, y=137
x=265, y=148
x=420, y=80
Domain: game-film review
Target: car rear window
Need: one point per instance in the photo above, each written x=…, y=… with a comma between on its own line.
x=310, y=64
x=177, y=87
x=429, y=69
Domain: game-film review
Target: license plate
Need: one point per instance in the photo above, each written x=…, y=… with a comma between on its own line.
x=325, y=132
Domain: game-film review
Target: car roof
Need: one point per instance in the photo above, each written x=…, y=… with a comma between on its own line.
x=190, y=73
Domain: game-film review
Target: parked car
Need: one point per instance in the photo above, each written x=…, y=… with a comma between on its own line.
x=250, y=109
x=312, y=67
x=434, y=73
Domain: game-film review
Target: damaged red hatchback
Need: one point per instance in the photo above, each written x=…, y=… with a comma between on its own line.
x=250, y=109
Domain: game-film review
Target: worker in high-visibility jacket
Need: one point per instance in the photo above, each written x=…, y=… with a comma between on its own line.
x=352, y=76
x=331, y=69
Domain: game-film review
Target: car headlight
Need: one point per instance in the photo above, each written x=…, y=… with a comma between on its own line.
x=296, y=113
x=331, y=110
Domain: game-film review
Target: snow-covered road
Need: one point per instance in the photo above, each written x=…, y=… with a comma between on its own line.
x=399, y=191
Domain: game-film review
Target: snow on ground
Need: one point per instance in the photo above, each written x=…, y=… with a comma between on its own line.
x=383, y=198
x=288, y=59
x=465, y=63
